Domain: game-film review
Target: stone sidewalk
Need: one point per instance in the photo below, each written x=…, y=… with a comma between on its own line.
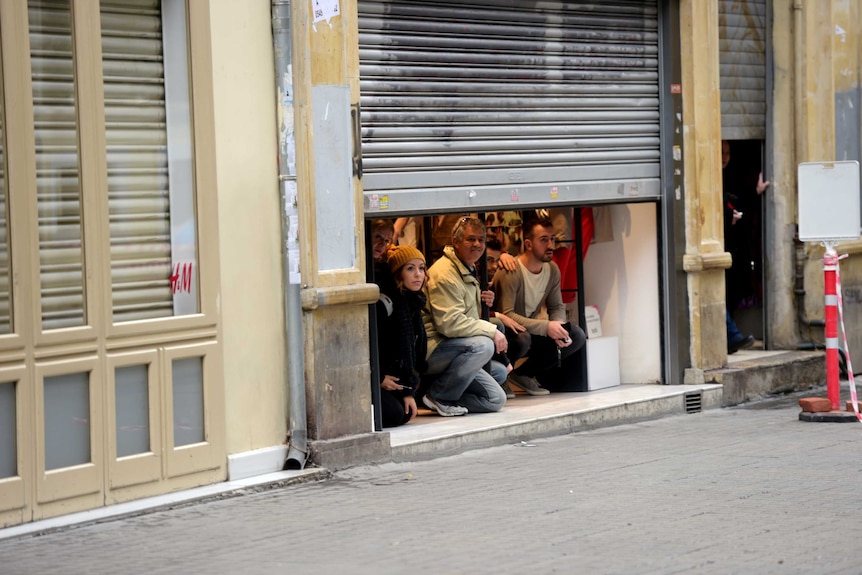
x=733, y=490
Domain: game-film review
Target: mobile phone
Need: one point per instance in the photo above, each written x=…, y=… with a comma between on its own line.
x=567, y=326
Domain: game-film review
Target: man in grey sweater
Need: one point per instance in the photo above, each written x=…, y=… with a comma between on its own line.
x=531, y=297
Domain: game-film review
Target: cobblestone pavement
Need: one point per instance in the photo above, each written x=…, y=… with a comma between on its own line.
x=726, y=491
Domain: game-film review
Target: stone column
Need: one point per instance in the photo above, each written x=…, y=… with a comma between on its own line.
x=335, y=295
x=803, y=119
x=705, y=259
x=815, y=137
x=781, y=196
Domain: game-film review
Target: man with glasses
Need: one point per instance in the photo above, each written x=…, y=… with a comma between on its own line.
x=460, y=343
x=493, y=251
x=531, y=297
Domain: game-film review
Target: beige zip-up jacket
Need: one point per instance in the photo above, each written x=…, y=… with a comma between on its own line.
x=454, y=304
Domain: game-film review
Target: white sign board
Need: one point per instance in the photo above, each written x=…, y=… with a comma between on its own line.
x=828, y=201
x=594, y=322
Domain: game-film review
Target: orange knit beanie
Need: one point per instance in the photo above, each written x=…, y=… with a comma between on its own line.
x=400, y=255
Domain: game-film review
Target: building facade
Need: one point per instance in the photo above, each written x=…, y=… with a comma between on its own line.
x=127, y=128
x=144, y=345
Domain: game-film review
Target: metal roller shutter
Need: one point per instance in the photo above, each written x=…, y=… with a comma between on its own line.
x=136, y=133
x=57, y=165
x=742, y=59
x=485, y=102
x=136, y=159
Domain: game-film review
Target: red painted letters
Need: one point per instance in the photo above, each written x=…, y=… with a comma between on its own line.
x=181, y=279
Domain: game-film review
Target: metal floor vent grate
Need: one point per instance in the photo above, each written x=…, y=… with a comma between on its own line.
x=694, y=402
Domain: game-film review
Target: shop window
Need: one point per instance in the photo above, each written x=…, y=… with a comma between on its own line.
x=61, y=257
x=8, y=434
x=151, y=196
x=132, y=409
x=149, y=159
x=67, y=420
x=188, y=394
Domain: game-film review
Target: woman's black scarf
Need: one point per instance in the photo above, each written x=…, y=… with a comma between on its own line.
x=406, y=341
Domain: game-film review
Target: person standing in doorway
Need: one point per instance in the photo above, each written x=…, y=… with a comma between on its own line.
x=737, y=241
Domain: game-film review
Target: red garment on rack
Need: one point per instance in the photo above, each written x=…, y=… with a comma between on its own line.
x=564, y=256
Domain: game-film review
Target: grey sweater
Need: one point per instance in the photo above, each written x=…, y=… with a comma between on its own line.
x=509, y=289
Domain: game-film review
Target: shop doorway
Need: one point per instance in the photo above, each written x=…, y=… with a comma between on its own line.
x=744, y=238
x=618, y=279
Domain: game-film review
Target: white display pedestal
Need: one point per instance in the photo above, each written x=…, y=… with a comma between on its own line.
x=603, y=362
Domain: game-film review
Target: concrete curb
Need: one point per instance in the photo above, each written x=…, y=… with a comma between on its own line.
x=558, y=424
x=778, y=374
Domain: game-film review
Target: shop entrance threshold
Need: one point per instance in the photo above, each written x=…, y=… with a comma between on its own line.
x=528, y=417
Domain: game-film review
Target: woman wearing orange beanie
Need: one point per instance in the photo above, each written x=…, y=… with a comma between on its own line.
x=401, y=340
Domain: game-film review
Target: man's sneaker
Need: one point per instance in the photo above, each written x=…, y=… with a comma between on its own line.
x=527, y=383
x=741, y=343
x=509, y=393
x=444, y=409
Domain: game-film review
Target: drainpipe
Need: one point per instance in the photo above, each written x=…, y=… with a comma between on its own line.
x=297, y=452
x=798, y=82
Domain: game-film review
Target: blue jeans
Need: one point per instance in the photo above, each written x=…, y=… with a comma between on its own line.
x=733, y=333
x=457, y=364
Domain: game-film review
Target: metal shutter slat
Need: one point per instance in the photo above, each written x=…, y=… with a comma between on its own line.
x=57, y=183
x=137, y=160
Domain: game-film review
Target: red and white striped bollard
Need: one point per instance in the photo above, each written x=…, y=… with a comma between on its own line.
x=830, y=267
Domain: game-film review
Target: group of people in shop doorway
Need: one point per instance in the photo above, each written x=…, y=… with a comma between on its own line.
x=439, y=343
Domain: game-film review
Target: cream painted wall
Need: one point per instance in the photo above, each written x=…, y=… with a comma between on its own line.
x=249, y=224
x=621, y=279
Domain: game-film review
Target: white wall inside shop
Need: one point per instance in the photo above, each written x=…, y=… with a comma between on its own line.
x=249, y=224
x=621, y=279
